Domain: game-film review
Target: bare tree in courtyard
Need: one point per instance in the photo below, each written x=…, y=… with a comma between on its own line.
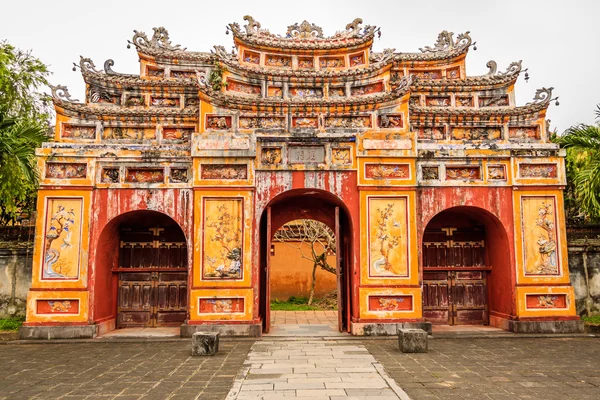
x=314, y=241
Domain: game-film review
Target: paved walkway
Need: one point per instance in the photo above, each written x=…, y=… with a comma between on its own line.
x=315, y=369
x=304, y=317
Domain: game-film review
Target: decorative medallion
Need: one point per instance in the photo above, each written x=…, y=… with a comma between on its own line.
x=224, y=171
x=331, y=62
x=271, y=156
x=524, y=132
x=305, y=122
x=218, y=122
x=135, y=101
x=367, y=89
x=341, y=156
x=496, y=172
x=337, y=92
x=476, y=133
x=348, y=122
x=109, y=175
x=175, y=133
x=262, y=122
x=306, y=62
x=221, y=305
x=430, y=173
x=390, y=303
x=437, y=101
x=432, y=132
x=536, y=301
x=251, y=57
x=357, y=59
x=391, y=121
x=277, y=61
x=453, y=73
x=244, y=88
x=415, y=101
x=178, y=175
x=57, y=306
x=463, y=101
x=155, y=72
x=164, y=101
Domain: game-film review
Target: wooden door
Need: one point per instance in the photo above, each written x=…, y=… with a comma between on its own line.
x=267, y=270
x=152, y=275
x=338, y=270
x=455, y=276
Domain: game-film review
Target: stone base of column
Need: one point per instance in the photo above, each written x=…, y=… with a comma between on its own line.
x=58, y=332
x=225, y=330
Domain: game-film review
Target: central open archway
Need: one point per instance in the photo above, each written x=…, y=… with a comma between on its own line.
x=318, y=205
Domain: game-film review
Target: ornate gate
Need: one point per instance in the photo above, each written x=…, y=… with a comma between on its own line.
x=454, y=276
x=152, y=274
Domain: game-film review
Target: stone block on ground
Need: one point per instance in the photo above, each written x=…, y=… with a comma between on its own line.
x=205, y=343
x=412, y=340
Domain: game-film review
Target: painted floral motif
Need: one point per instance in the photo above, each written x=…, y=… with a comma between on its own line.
x=367, y=89
x=135, y=101
x=537, y=170
x=120, y=133
x=453, y=73
x=496, y=172
x=464, y=101
x=341, y=156
x=357, y=59
x=66, y=171
x=78, y=132
x=179, y=175
x=251, y=57
x=478, y=133
x=415, y=101
x=164, y=102
x=337, y=92
x=433, y=74
x=391, y=121
x=275, y=92
x=305, y=63
x=432, y=132
x=306, y=92
x=271, y=156
x=172, y=133
x=240, y=87
x=348, y=122
x=437, y=101
x=224, y=171
x=430, y=173
x=109, y=175
x=144, y=176
x=61, y=248
x=223, y=239
x=183, y=74
x=262, y=123
x=330, y=62
x=59, y=306
x=278, y=61
x=156, y=73
x=495, y=101
x=218, y=122
x=386, y=237
x=386, y=171
x=527, y=132
x=463, y=173
x=547, y=240
x=546, y=301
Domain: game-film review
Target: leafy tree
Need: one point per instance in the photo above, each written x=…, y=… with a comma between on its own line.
x=582, y=197
x=24, y=124
x=314, y=237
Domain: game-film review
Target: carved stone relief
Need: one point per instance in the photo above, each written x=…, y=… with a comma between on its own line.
x=432, y=132
x=262, y=122
x=144, y=175
x=348, y=122
x=341, y=156
x=537, y=170
x=430, y=173
x=218, y=122
x=391, y=121
x=223, y=171
x=178, y=175
x=271, y=156
x=463, y=173
x=476, y=133
x=78, y=131
x=109, y=175
x=387, y=171
x=524, y=132
x=496, y=172
x=66, y=170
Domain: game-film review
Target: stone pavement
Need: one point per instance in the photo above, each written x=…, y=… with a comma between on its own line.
x=118, y=370
x=315, y=369
x=514, y=368
x=304, y=317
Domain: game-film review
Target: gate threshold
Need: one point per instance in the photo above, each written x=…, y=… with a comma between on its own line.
x=142, y=333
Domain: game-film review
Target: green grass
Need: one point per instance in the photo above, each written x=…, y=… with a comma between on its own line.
x=11, y=324
x=593, y=320
x=292, y=304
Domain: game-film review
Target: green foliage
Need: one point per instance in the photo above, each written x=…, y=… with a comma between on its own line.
x=11, y=324
x=215, y=79
x=24, y=123
x=582, y=196
x=593, y=320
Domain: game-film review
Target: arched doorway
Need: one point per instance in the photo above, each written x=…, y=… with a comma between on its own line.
x=141, y=275
x=466, y=267
x=317, y=205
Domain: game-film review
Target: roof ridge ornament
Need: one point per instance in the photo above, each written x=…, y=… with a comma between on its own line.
x=445, y=42
x=305, y=30
x=543, y=96
x=160, y=40
x=384, y=56
x=86, y=65
x=61, y=93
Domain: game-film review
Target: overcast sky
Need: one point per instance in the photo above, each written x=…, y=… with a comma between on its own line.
x=559, y=41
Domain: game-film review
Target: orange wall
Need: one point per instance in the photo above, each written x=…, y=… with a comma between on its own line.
x=290, y=274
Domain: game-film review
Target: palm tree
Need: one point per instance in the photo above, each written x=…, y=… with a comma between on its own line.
x=18, y=141
x=583, y=164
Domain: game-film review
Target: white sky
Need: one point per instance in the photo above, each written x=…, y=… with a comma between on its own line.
x=559, y=41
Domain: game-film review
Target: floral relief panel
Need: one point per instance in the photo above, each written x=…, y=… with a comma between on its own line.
x=388, y=237
x=62, y=238
x=540, y=248
x=222, y=238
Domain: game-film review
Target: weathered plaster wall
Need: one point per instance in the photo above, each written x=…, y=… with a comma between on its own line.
x=584, y=267
x=15, y=280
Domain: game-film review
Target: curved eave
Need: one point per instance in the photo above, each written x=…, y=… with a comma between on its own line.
x=310, y=46
x=353, y=103
x=129, y=82
x=441, y=57
x=159, y=54
x=470, y=83
x=83, y=110
x=275, y=73
x=527, y=109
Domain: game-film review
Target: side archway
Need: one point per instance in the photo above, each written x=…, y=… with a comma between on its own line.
x=141, y=272
x=466, y=267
